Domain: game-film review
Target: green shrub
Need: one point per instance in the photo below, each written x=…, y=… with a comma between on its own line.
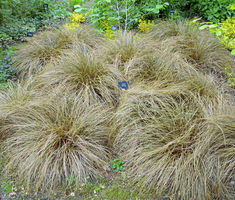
x=76, y=2
x=21, y=16
x=7, y=72
x=124, y=14
x=214, y=10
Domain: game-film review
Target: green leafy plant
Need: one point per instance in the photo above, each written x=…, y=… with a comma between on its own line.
x=22, y=16
x=7, y=72
x=233, y=52
x=75, y=2
x=124, y=14
x=224, y=31
x=6, y=186
x=214, y=10
x=117, y=164
x=71, y=180
x=231, y=76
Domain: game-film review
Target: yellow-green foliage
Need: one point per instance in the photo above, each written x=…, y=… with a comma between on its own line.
x=76, y=20
x=106, y=26
x=225, y=31
x=231, y=76
x=145, y=25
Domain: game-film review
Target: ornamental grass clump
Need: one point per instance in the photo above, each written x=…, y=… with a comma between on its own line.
x=218, y=143
x=199, y=48
x=158, y=65
x=48, y=46
x=82, y=73
x=64, y=138
x=159, y=136
x=124, y=50
x=169, y=69
x=16, y=98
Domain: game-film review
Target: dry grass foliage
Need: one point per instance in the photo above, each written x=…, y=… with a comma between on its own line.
x=126, y=51
x=164, y=140
x=85, y=75
x=218, y=143
x=58, y=140
x=199, y=48
x=171, y=126
x=16, y=98
x=48, y=46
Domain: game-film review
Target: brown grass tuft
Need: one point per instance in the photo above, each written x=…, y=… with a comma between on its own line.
x=15, y=98
x=59, y=140
x=124, y=50
x=160, y=138
x=199, y=48
x=85, y=75
x=218, y=144
x=48, y=46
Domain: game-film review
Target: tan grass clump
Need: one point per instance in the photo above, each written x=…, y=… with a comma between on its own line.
x=14, y=99
x=159, y=137
x=199, y=48
x=48, y=46
x=125, y=49
x=59, y=140
x=218, y=144
x=158, y=65
x=85, y=75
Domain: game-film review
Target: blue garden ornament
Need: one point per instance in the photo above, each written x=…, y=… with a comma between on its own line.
x=29, y=34
x=45, y=5
x=123, y=85
x=114, y=28
x=172, y=12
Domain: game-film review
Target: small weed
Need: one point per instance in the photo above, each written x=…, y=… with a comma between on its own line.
x=94, y=187
x=71, y=180
x=117, y=164
x=231, y=76
x=6, y=186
